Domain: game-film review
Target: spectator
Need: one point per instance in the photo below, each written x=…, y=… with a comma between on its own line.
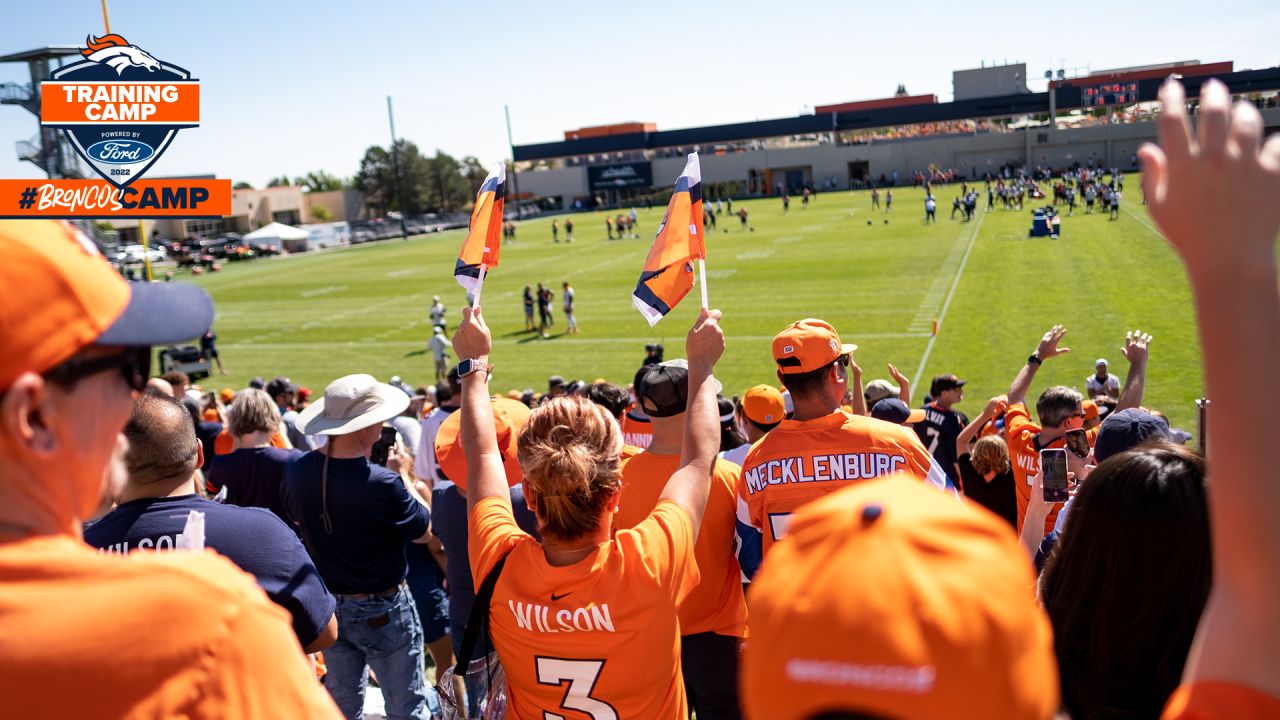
x=355, y=518
x=448, y=395
x=252, y=473
x=615, y=400
x=983, y=467
x=812, y=366
x=760, y=411
x=556, y=386
x=893, y=410
x=284, y=392
x=713, y=617
x=1212, y=193
x=942, y=422
x=1138, y=537
x=160, y=491
x=71, y=365
x=892, y=600
x=1102, y=382
x=581, y=569
x=731, y=436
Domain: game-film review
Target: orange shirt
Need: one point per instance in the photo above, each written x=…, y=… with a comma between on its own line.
x=224, y=444
x=1220, y=701
x=1020, y=435
x=637, y=431
x=717, y=603
x=599, y=635
x=800, y=461
x=144, y=636
x=629, y=451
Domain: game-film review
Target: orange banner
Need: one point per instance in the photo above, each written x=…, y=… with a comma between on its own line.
x=101, y=199
x=174, y=102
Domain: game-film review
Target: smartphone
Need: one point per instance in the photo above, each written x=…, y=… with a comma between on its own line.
x=382, y=448
x=1077, y=442
x=1053, y=465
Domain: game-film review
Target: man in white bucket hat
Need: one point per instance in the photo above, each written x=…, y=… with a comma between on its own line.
x=355, y=518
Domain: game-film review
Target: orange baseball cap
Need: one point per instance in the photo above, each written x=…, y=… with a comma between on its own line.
x=1090, y=409
x=509, y=418
x=227, y=395
x=70, y=298
x=807, y=345
x=891, y=599
x=763, y=404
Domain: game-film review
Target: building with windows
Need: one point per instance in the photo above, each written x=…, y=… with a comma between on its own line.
x=994, y=122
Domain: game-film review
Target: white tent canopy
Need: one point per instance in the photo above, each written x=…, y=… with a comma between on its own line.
x=277, y=231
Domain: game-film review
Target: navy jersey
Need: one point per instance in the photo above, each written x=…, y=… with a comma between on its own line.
x=939, y=431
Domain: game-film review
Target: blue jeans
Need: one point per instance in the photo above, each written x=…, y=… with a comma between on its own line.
x=384, y=634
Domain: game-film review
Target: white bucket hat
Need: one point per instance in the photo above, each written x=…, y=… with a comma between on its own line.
x=352, y=403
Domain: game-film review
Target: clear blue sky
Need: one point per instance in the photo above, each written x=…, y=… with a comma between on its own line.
x=290, y=87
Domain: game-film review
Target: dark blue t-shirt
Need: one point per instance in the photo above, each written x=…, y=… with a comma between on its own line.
x=449, y=523
x=207, y=432
x=252, y=538
x=372, y=516
x=252, y=477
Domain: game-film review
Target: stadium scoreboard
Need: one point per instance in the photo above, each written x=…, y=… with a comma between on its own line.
x=1110, y=94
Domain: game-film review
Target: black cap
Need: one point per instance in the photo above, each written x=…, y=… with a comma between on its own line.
x=662, y=390
x=280, y=385
x=942, y=383
x=555, y=381
x=1126, y=430
x=895, y=411
x=257, y=383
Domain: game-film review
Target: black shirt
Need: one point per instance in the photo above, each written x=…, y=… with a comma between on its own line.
x=997, y=495
x=252, y=477
x=372, y=516
x=938, y=431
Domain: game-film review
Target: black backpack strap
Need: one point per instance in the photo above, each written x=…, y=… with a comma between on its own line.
x=479, y=617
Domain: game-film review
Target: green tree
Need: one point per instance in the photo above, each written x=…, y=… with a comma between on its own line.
x=319, y=181
x=320, y=213
x=377, y=179
x=282, y=181
x=242, y=185
x=475, y=172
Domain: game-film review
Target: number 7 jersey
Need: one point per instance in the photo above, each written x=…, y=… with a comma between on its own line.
x=596, y=640
x=800, y=461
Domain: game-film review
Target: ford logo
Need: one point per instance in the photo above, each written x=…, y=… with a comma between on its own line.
x=120, y=152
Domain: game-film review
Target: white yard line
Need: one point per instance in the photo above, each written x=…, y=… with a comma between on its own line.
x=942, y=316
x=1138, y=217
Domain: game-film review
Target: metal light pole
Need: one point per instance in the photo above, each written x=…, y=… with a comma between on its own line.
x=395, y=161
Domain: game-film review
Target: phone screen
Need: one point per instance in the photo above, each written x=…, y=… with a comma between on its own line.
x=1053, y=464
x=1077, y=442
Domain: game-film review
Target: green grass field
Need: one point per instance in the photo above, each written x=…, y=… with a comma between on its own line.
x=364, y=309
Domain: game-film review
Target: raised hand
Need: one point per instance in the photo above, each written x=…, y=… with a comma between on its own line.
x=1048, y=346
x=705, y=342
x=996, y=406
x=1135, y=347
x=897, y=376
x=472, y=338
x=1191, y=181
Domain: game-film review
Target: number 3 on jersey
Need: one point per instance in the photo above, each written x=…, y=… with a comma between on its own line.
x=581, y=676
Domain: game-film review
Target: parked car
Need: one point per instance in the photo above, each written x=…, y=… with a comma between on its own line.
x=128, y=254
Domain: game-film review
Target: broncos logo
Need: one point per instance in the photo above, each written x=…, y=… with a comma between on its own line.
x=115, y=51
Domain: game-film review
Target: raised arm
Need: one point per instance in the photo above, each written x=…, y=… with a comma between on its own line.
x=691, y=483
x=1047, y=348
x=485, y=477
x=1215, y=198
x=995, y=406
x=857, y=400
x=904, y=385
x=1135, y=383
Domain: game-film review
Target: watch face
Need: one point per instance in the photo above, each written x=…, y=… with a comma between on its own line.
x=465, y=367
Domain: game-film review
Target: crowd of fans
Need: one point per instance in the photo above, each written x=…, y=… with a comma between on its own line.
x=822, y=549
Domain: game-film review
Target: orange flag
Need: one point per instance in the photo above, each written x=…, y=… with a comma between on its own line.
x=668, y=272
x=484, y=239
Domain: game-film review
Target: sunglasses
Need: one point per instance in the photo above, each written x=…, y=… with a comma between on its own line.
x=843, y=361
x=134, y=363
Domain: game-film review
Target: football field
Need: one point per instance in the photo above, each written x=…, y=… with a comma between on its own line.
x=993, y=290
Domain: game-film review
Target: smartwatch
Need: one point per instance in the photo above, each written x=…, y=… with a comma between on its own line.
x=471, y=367
x=1035, y=360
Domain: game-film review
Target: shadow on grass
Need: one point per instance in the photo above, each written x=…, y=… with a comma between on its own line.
x=415, y=353
x=539, y=337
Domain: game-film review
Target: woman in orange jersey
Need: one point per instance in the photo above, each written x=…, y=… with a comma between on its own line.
x=585, y=621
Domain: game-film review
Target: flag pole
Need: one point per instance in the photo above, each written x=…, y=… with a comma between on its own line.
x=702, y=281
x=475, y=297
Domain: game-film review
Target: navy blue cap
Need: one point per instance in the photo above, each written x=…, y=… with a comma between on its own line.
x=1126, y=430
x=895, y=411
x=160, y=314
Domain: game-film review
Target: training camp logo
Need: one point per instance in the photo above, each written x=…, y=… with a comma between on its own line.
x=120, y=106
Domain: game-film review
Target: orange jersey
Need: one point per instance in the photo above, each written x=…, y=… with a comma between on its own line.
x=144, y=636
x=1020, y=435
x=599, y=637
x=717, y=603
x=801, y=461
x=1220, y=701
x=636, y=430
